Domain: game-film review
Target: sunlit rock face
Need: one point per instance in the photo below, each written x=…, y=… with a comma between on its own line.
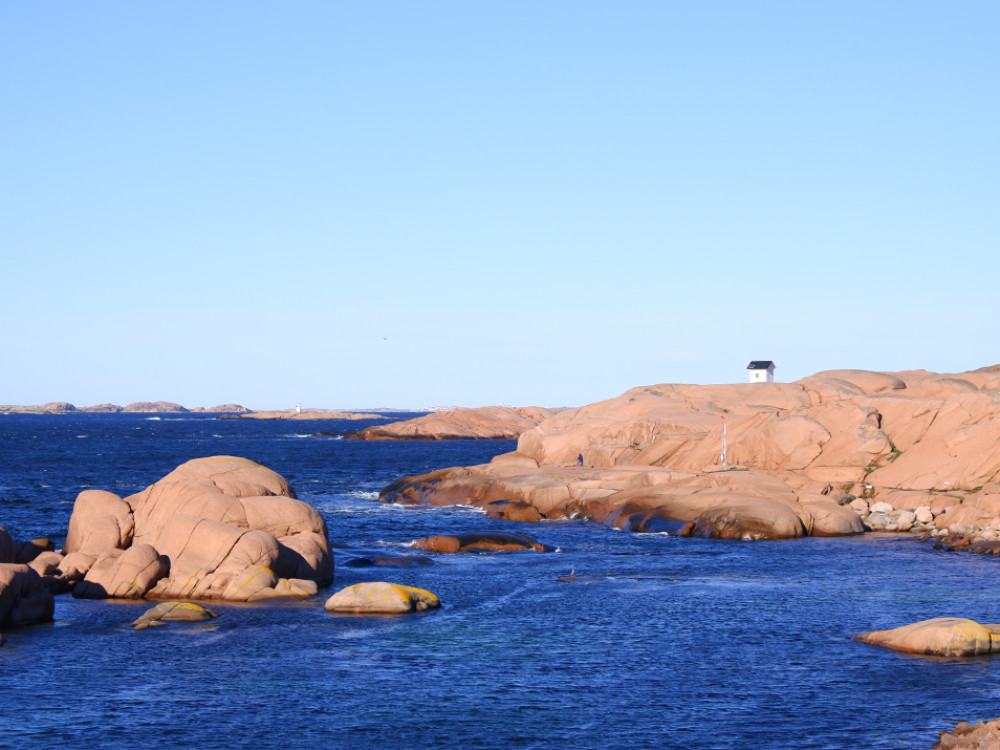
x=797, y=457
x=214, y=528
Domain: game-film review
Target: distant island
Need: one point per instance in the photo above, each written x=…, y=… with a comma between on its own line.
x=225, y=411
x=139, y=407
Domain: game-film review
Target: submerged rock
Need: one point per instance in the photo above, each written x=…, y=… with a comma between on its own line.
x=485, y=542
x=941, y=636
x=368, y=558
x=172, y=612
x=381, y=598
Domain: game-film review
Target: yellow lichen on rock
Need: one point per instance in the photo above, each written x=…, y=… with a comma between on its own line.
x=173, y=612
x=380, y=597
x=941, y=636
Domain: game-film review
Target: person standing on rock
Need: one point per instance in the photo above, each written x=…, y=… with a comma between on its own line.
x=579, y=460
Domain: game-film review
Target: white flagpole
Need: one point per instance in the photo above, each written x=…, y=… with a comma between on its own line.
x=724, y=468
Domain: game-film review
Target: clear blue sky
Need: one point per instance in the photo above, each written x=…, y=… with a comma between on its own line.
x=534, y=202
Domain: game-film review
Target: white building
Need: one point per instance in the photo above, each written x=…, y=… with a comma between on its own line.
x=761, y=371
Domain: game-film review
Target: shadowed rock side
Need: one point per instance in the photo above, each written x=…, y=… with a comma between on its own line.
x=837, y=453
x=487, y=422
x=214, y=528
x=24, y=598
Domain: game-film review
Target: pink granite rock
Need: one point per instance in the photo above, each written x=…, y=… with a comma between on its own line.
x=123, y=574
x=214, y=523
x=381, y=598
x=100, y=521
x=915, y=439
x=941, y=636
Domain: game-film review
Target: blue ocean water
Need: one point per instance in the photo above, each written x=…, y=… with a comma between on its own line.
x=674, y=643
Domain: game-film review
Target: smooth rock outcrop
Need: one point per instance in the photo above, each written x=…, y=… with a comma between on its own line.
x=652, y=458
x=487, y=422
x=381, y=598
x=941, y=636
x=154, y=407
x=214, y=528
x=100, y=521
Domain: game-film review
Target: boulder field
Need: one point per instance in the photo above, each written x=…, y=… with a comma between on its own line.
x=214, y=528
x=840, y=452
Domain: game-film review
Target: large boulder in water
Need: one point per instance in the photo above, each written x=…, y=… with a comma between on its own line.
x=941, y=636
x=830, y=518
x=24, y=598
x=751, y=518
x=225, y=528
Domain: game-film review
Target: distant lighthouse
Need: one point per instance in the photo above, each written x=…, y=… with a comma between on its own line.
x=298, y=408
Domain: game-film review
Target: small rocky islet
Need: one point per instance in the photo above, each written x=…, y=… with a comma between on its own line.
x=839, y=453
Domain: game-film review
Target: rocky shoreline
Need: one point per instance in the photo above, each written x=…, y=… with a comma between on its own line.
x=840, y=453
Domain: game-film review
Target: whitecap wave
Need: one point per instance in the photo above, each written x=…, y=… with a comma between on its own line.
x=364, y=494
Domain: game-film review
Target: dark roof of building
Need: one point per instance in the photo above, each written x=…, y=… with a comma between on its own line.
x=760, y=364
